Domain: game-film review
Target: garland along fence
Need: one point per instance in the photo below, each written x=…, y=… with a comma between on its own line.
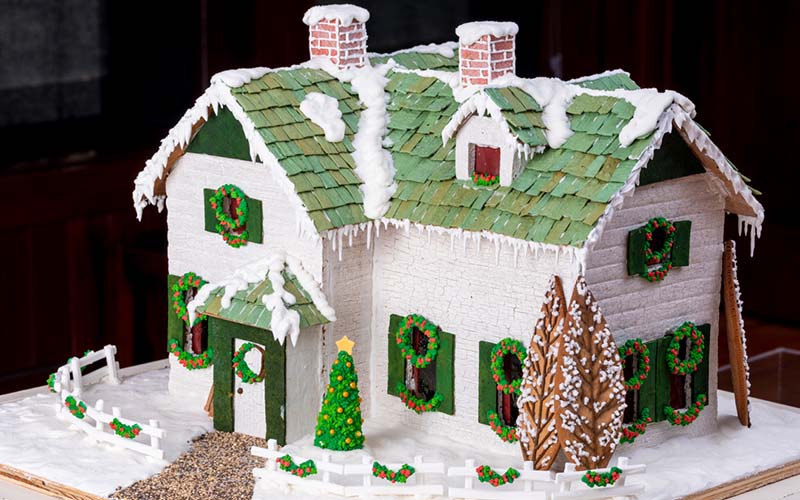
x=372, y=478
x=93, y=420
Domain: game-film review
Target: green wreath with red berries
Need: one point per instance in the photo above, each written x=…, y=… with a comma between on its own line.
x=625, y=351
x=243, y=371
x=696, y=347
x=123, y=430
x=658, y=256
x=637, y=428
x=305, y=469
x=232, y=229
x=488, y=475
x=393, y=476
x=188, y=360
x=601, y=479
x=676, y=417
x=76, y=408
x=507, y=433
x=506, y=346
x=403, y=337
x=416, y=404
x=189, y=281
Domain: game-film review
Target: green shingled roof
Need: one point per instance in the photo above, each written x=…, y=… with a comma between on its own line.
x=248, y=309
x=418, y=60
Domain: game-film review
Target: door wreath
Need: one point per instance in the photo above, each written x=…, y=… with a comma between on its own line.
x=243, y=371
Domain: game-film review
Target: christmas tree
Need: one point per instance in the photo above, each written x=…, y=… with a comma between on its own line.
x=339, y=420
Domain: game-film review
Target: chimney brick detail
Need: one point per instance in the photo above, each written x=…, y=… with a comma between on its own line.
x=345, y=46
x=487, y=59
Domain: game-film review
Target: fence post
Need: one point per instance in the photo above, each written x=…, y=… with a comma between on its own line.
x=99, y=407
x=367, y=479
x=75, y=367
x=326, y=474
x=272, y=465
x=417, y=463
x=155, y=441
x=622, y=463
x=566, y=485
x=113, y=374
x=527, y=485
x=469, y=479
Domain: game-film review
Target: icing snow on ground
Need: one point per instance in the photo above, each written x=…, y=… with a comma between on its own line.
x=34, y=440
x=674, y=469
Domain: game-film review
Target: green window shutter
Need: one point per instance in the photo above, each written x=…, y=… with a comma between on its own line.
x=683, y=239
x=647, y=392
x=255, y=221
x=210, y=216
x=445, y=372
x=396, y=361
x=636, y=244
x=174, y=323
x=663, y=379
x=700, y=377
x=487, y=388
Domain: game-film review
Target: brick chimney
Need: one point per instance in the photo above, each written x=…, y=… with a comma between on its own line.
x=486, y=51
x=337, y=33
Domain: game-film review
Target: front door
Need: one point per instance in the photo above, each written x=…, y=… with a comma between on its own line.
x=249, y=406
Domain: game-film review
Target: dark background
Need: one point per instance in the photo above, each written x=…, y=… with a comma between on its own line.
x=89, y=87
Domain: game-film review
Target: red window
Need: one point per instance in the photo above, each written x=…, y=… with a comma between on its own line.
x=486, y=160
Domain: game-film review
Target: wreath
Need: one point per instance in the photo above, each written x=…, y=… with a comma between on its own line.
x=507, y=433
x=307, y=468
x=592, y=478
x=232, y=229
x=627, y=349
x=76, y=408
x=243, y=371
x=417, y=404
x=506, y=346
x=399, y=476
x=637, y=428
x=661, y=256
x=404, y=334
x=188, y=281
x=191, y=361
x=487, y=475
x=696, y=347
x=685, y=418
x=126, y=431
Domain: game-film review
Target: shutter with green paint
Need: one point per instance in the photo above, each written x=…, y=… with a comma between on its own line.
x=636, y=244
x=445, y=372
x=647, y=392
x=700, y=377
x=663, y=379
x=255, y=221
x=396, y=362
x=210, y=216
x=682, y=245
x=487, y=388
x=174, y=323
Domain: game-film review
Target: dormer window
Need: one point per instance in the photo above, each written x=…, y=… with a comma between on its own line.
x=485, y=164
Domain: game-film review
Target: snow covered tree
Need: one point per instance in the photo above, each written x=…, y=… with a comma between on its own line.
x=591, y=392
x=538, y=436
x=339, y=420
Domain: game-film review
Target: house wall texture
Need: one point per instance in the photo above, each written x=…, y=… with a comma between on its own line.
x=634, y=307
x=470, y=294
x=304, y=386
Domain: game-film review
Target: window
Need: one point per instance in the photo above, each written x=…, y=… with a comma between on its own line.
x=485, y=160
x=437, y=377
x=647, y=255
x=662, y=388
x=490, y=399
x=507, y=403
x=198, y=333
x=255, y=219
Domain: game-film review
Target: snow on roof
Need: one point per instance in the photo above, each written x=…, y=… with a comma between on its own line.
x=324, y=111
x=469, y=33
x=345, y=13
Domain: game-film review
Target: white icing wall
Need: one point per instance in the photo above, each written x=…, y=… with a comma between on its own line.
x=194, y=385
x=304, y=385
x=192, y=248
x=466, y=294
x=347, y=284
x=634, y=307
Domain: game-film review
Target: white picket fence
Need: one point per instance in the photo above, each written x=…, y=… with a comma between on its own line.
x=356, y=480
x=70, y=382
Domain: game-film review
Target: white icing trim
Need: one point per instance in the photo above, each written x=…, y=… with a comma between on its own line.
x=323, y=110
x=345, y=13
x=469, y=33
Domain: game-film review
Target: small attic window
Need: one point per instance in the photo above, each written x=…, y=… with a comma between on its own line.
x=484, y=164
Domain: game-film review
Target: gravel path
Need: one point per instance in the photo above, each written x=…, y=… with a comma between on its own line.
x=218, y=466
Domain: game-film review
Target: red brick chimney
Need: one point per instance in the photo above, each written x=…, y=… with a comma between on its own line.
x=486, y=51
x=337, y=33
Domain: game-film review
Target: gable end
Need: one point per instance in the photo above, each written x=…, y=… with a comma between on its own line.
x=222, y=136
x=672, y=160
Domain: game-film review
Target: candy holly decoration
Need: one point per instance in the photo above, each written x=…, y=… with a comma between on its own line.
x=637, y=428
x=188, y=360
x=231, y=228
x=696, y=346
x=399, y=476
x=126, y=431
x=661, y=256
x=592, y=478
x=507, y=433
x=51, y=379
x=625, y=351
x=403, y=336
x=243, y=371
x=188, y=281
x=416, y=404
x=484, y=180
x=675, y=417
x=487, y=475
x=305, y=469
x=506, y=346
x=339, y=420
x=75, y=407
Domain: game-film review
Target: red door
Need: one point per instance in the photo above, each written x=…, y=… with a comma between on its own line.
x=487, y=160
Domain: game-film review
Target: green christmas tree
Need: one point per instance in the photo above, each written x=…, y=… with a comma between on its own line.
x=339, y=420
